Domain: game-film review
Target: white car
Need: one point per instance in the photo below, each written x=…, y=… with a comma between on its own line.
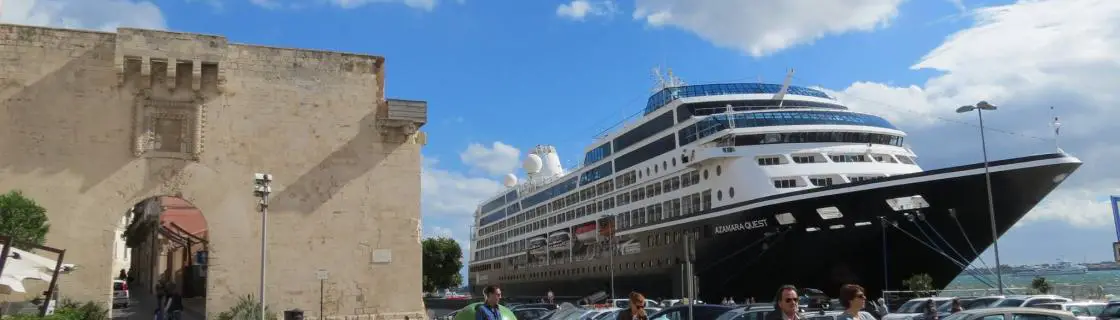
x=915, y=307
x=120, y=293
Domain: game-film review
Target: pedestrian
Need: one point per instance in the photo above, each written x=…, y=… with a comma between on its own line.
x=122, y=275
x=930, y=310
x=489, y=309
x=174, y=305
x=785, y=302
x=956, y=306
x=853, y=299
x=160, y=293
x=636, y=310
x=550, y=298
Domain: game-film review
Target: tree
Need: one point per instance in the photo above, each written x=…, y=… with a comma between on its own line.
x=1041, y=285
x=23, y=220
x=919, y=283
x=443, y=258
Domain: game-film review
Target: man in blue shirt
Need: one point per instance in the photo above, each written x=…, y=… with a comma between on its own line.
x=489, y=309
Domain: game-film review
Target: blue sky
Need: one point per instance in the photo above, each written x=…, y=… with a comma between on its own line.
x=503, y=76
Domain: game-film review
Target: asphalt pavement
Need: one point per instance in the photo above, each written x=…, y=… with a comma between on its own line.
x=138, y=310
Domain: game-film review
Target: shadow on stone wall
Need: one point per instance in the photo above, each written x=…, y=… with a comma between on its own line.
x=353, y=160
x=56, y=124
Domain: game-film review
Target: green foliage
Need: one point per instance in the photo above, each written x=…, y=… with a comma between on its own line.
x=920, y=283
x=23, y=220
x=442, y=260
x=70, y=310
x=1041, y=285
x=246, y=308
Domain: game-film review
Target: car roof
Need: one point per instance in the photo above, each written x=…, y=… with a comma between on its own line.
x=1019, y=310
x=933, y=298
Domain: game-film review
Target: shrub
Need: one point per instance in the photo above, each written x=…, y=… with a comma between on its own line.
x=246, y=308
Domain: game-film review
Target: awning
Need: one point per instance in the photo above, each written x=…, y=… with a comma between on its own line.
x=22, y=265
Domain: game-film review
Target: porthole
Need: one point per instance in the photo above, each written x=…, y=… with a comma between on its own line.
x=655, y=168
x=647, y=171
x=731, y=192
x=705, y=174
x=719, y=195
x=719, y=170
x=674, y=162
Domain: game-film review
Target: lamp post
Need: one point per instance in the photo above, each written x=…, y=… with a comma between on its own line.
x=980, y=107
x=611, y=243
x=262, y=187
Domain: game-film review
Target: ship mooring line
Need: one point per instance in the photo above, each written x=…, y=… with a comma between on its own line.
x=958, y=262
x=966, y=239
x=778, y=238
x=939, y=236
x=954, y=261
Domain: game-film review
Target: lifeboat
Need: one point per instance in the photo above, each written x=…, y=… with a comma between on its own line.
x=586, y=233
x=537, y=246
x=559, y=241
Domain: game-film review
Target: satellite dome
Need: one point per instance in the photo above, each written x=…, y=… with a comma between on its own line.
x=532, y=164
x=510, y=180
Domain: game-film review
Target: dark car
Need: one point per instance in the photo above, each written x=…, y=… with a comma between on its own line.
x=748, y=312
x=1110, y=312
x=699, y=312
x=548, y=306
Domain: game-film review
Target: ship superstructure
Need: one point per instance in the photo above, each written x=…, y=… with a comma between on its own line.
x=735, y=166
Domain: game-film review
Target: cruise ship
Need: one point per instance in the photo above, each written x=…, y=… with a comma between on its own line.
x=1060, y=268
x=745, y=187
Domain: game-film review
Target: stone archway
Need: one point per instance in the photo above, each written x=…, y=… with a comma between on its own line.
x=96, y=122
x=168, y=241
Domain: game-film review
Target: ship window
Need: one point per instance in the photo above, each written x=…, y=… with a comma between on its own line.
x=674, y=162
x=769, y=161
x=719, y=170
x=804, y=159
x=719, y=195
x=706, y=199
x=905, y=159
x=731, y=192
x=849, y=158
x=821, y=182
x=828, y=213
x=785, y=218
x=785, y=183
x=664, y=165
x=913, y=202
x=863, y=224
x=705, y=174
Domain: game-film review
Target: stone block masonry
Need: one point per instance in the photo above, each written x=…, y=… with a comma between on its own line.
x=95, y=122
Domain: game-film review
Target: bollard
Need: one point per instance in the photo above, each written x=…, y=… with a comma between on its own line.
x=294, y=314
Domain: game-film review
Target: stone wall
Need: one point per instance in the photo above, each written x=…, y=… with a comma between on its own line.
x=93, y=123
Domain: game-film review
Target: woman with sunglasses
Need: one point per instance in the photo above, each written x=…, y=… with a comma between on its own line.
x=853, y=299
x=637, y=309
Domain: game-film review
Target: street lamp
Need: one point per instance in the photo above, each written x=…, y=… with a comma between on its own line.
x=980, y=107
x=612, y=244
x=262, y=187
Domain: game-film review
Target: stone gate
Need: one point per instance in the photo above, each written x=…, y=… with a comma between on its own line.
x=91, y=123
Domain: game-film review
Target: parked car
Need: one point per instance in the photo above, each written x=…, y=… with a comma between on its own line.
x=1084, y=310
x=832, y=314
x=915, y=307
x=748, y=312
x=120, y=293
x=980, y=302
x=699, y=312
x=1110, y=312
x=1028, y=301
x=1015, y=313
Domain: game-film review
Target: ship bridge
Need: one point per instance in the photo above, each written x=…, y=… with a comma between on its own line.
x=667, y=95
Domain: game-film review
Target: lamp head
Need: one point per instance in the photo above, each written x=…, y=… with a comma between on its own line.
x=984, y=105
x=964, y=109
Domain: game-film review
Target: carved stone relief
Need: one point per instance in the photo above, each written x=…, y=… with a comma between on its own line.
x=168, y=129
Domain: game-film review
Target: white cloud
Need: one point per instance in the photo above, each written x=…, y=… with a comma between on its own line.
x=437, y=231
x=448, y=193
x=103, y=15
x=1024, y=57
x=498, y=159
x=763, y=27
x=580, y=9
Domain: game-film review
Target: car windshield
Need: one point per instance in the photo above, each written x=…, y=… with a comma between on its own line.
x=1009, y=303
x=910, y=306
